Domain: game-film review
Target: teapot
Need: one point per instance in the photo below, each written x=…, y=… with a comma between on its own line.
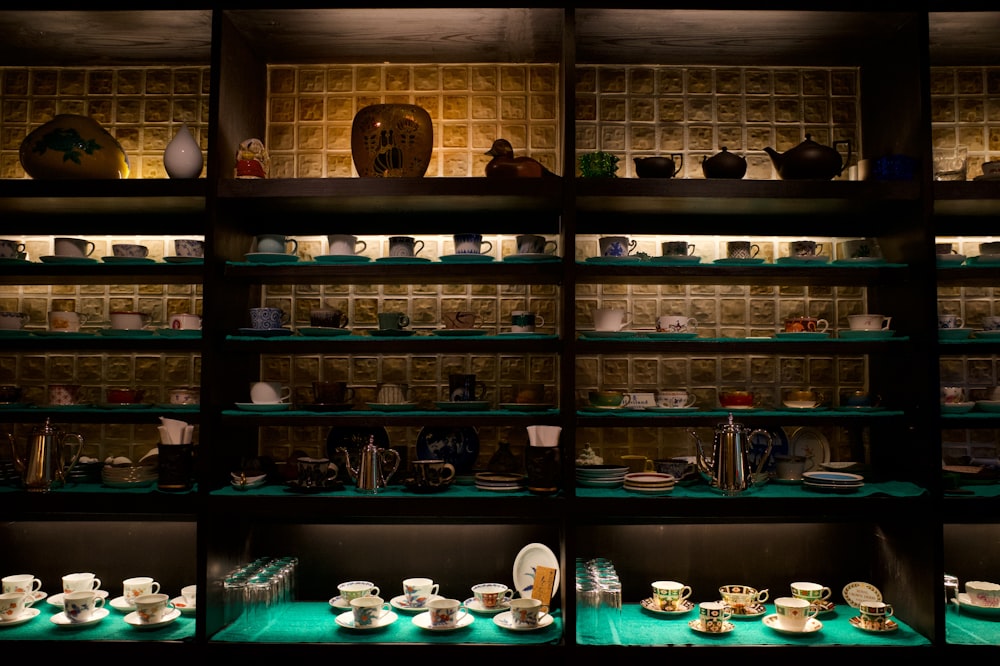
x=729, y=465
x=658, y=167
x=44, y=465
x=724, y=165
x=375, y=465
x=810, y=160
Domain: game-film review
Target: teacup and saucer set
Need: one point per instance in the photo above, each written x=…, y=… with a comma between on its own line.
x=745, y=602
x=683, y=608
x=874, y=614
x=401, y=604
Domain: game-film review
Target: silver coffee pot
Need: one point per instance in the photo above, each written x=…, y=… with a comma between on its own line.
x=375, y=465
x=44, y=465
x=729, y=466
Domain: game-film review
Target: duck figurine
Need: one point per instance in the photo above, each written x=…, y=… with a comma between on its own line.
x=505, y=165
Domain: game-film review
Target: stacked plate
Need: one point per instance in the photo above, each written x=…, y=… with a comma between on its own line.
x=832, y=482
x=497, y=482
x=601, y=476
x=128, y=476
x=649, y=483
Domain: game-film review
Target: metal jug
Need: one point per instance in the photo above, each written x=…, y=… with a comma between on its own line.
x=730, y=465
x=375, y=465
x=43, y=466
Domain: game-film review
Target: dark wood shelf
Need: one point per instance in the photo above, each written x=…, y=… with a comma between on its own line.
x=374, y=272
x=36, y=272
x=643, y=272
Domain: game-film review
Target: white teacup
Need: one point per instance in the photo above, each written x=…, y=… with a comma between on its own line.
x=276, y=244
x=25, y=583
x=947, y=321
x=983, y=593
x=269, y=393
x=368, y=610
x=794, y=613
x=152, y=608
x=527, y=612
x=355, y=589
x=129, y=321
x=952, y=394
x=185, y=321
x=132, y=588
x=66, y=322
x=868, y=322
x=491, y=595
x=190, y=595
x=80, y=606
x=610, y=319
x=13, y=605
x=676, y=324
x=417, y=591
x=73, y=247
x=341, y=244
x=676, y=399
x=446, y=613
x=79, y=582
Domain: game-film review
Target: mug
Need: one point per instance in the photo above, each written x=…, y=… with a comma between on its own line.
x=676, y=324
x=13, y=605
x=63, y=394
x=616, y=246
x=355, y=589
x=276, y=244
x=368, y=610
x=432, y=473
x=393, y=394
x=73, y=247
x=949, y=321
x=315, y=472
x=138, y=586
x=79, y=607
x=868, y=322
x=152, y=608
x=332, y=393
x=130, y=251
x=464, y=387
x=418, y=591
x=676, y=399
x=269, y=393
x=129, y=321
x=713, y=616
x=80, y=582
x=328, y=318
x=345, y=244
x=266, y=319
x=24, y=583
x=533, y=244
x=527, y=612
x=525, y=321
x=804, y=248
x=12, y=321
x=404, y=246
x=471, y=244
x=392, y=321
x=189, y=247
x=669, y=595
x=610, y=319
x=794, y=613
x=446, y=613
x=677, y=249
x=491, y=595
x=461, y=320
x=184, y=321
x=66, y=321
x=10, y=249
x=806, y=325
x=741, y=250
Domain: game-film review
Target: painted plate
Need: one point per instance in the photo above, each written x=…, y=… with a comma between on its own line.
x=476, y=606
x=697, y=626
x=810, y=443
x=531, y=556
x=458, y=446
x=858, y=592
x=758, y=446
x=837, y=478
x=27, y=615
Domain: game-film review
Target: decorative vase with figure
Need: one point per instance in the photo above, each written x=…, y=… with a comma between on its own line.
x=392, y=141
x=182, y=157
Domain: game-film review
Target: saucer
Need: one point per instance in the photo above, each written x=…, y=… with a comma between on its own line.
x=133, y=620
x=506, y=621
x=184, y=260
x=390, y=333
x=266, y=332
x=399, y=603
x=392, y=406
x=39, y=595
x=182, y=606
x=889, y=626
x=751, y=610
x=459, y=332
x=27, y=615
x=340, y=602
x=527, y=406
x=63, y=621
x=128, y=260
x=59, y=259
x=476, y=606
x=697, y=626
x=263, y=406
x=271, y=258
x=465, y=258
x=464, y=406
x=403, y=260
x=424, y=622
x=120, y=604
x=57, y=599
x=950, y=259
x=739, y=262
x=341, y=259
x=676, y=259
x=958, y=407
x=812, y=625
x=322, y=331
x=648, y=604
x=346, y=620
x=530, y=257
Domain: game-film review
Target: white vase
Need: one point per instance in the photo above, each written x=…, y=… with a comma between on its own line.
x=182, y=157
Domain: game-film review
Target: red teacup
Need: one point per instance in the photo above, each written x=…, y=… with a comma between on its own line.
x=121, y=396
x=730, y=399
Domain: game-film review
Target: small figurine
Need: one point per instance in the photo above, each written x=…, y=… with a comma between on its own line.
x=505, y=165
x=252, y=160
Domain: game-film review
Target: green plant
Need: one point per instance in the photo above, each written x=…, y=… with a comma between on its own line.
x=598, y=165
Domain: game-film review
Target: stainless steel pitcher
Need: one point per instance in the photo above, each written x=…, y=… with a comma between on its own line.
x=729, y=465
x=43, y=466
x=375, y=465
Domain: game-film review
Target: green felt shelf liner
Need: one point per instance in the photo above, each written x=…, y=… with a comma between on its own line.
x=639, y=337
x=640, y=627
x=456, y=490
x=369, y=412
x=111, y=628
x=767, y=490
x=372, y=338
x=725, y=267
x=315, y=622
x=964, y=628
x=722, y=413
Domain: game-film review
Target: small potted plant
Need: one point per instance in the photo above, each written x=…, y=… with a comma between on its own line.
x=598, y=165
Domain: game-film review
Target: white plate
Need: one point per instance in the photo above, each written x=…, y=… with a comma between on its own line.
x=39, y=595
x=133, y=620
x=833, y=478
x=399, y=603
x=726, y=628
x=531, y=556
x=424, y=622
x=809, y=443
x=857, y=593
x=57, y=599
x=63, y=621
x=812, y=625
x=182, y=606
x=475, y=606
x=964, y=601
x=506, y=621
x=263, y=406
x=27, y=615
x=346, y=620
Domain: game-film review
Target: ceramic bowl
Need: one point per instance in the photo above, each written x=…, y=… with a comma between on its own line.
x=606, y=398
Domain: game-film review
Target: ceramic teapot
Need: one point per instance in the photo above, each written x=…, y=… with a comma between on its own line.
x=729, y=465
x=810, y=160
x=44, y=465
x=724, y=165
x=375, y=466
x=658, y=167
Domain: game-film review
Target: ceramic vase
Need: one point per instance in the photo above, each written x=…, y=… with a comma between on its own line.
x=392, y=141
x=182, y=157
x=72, y=147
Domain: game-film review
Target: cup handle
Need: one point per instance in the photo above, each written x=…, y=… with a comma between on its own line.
x=434, y=589
x=626, y=399
x=418, y=245
x=98, y=601
x=959, y=322
x=404, y=320
x=762, y=596
x=286, y=393
x=889, y=611
x=754, y=250
x=822, y=325
x=692, y=399
x=295, y=245
x=90, y=248
x=549, y=247
x=489, y=247
x=886, y=322
x=539, y=320
x=374, y=592
x=364, y=246
x=97, y=583
x=154, y=588
x=693, y=323
x=29, y=599
x=650, y=466
x=448, y=474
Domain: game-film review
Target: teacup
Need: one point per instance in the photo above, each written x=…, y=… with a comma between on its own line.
x=79, y=582
x=949, y=321
x=124, y=396
x=80, y=606
x=944, y=248
x=184, y=395
x=315, y=472
x=461, y=320
x=465, y=388
x=525, y=321
x=152, y=608
x=675, y=467
x=868, y=322
x=132, y=588
x=794, y=613
x=64, y=394
x=73, y=247
x=533, y=244
x=811, y=592
x=355, y=589
x=610, y=319
x=676, y=399
x=328, y=318
x=392, y=321
x=742, y=250
x=276, y=244
x=875, y=614
x=471, y=244
x=24, y=583
x=185, y=321
x=446, y=613
x=130, y=250
x=859, y=398
x=713, y=616
x=269, y=393
x=804, y=248
x=989, y=249
x=418, y=591
x=636, y=463
x=739, y=597
x=368, y=611
x=432, y=473
x=527, y=612
x=951, y=395
x=676, y=324
x=802, y=399
x=983, y=593
x=607, y=399
x=129, y=321
x=989, y=323
x=190, y=595
x=404, y=246
x=862, y=248
x=13, y=321
x=736, y=399
x=10, y=249
x=529, y=394
x=790, y=468
x=332, y=393
x=189, y=247
x=677, y=249
x=491, y=595
x=806, y=325
x=345, y=244
x=616, y=246
x=670, y=595
x=13, y=605
x=65, y=321
x=267, y=319
x=393, y=394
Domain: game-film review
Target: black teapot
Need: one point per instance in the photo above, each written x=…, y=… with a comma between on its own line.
x=658, y=167
x=810, y=160
x=724, y=165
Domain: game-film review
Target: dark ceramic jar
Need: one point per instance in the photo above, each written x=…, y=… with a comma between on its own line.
x=724, y=165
